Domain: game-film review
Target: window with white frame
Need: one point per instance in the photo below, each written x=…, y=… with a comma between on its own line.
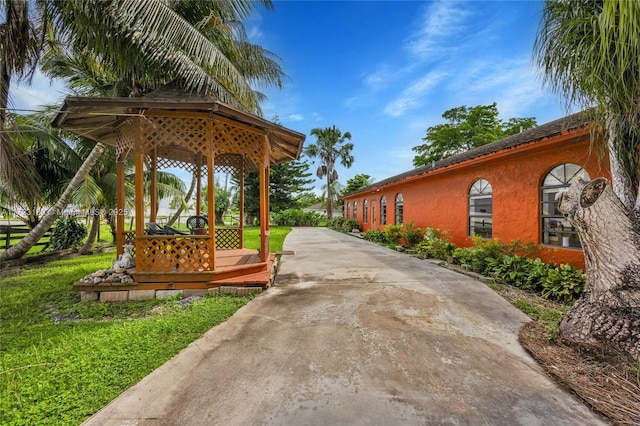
x=347, y=208
x=383, y=210
x=399, y=209
x=556, y=230
x=355, y=210
x=365, y=211
x=481, y=209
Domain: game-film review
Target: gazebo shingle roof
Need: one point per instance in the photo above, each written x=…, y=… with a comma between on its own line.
x=98, y=118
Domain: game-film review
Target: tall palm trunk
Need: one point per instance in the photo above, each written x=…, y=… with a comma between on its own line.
x=329, y=197
x=187, y=197
x=52, y=214
x=93, y=232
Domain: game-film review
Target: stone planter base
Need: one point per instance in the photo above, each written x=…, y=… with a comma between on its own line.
x=124, y=295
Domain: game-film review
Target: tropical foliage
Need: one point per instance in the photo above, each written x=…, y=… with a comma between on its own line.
x=357, y=182
x=200, y=46
x=467, y=128
x=297, y=217
x=330, y=147
x=287, y=183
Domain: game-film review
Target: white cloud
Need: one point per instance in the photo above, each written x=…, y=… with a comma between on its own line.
x=380, y=78
x=42, y=91
x=254, y=33
x=295, y=117
x=510, y=82
x=316, y=116
x=439, y=25
x=413, y=96
x=252, y=27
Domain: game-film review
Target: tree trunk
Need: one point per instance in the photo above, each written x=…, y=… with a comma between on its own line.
x=52, y=214
x=607, y=315
x=93, y=232
x=329, y=197
x=187, y=197
x=219, y=218
x=111, y=219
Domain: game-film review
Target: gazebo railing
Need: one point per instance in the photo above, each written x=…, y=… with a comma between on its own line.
x=174, y=253
x=228, y=238
x=180, y=253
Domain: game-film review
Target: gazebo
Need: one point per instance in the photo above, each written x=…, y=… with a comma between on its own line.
x=200, y=134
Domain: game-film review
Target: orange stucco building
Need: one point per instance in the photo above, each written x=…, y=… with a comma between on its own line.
x=503, y=190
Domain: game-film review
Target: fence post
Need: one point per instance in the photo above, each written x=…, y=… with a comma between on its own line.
x=8, y=238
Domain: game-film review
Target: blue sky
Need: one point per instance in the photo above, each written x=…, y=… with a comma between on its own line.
x=386, y=70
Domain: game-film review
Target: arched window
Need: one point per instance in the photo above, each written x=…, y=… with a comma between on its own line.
x=365, y=211
x=383, y=210
x=355, y=210
x=481, y=209
x=399, y=209
x=556, y=230
x=347, y=208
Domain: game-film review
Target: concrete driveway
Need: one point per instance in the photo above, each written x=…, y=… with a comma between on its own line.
x=355, y=334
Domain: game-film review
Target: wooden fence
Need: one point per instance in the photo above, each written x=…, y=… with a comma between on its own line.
x=11, y=234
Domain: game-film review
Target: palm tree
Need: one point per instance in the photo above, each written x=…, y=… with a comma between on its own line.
x=590, y=53
x=20, y=47
x=183, y=202
x=153, y=42
x=51, y=160
x=149, y=42
x=330, y=147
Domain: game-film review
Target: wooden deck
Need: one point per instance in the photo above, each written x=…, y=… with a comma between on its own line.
x=239, y=267
x=233, y=267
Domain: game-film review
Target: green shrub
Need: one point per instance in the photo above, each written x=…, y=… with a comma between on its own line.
x=296, y=217
x=435, y=245
x=512, y=270
x=393, y=233
x=412, y=234
x=476, y=258
x=67, y=233
x=335, y=223
x=376, y=236
x=537, y=271
x=564, y=283
x=342, y=224
x=472, y=258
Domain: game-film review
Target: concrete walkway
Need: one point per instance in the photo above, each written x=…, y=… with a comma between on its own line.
x=355, y=334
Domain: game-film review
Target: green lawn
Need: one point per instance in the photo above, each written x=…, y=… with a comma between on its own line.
x=276, y=237
x=61, y=360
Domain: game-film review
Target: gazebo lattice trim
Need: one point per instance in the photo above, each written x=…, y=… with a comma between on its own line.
x=189, y=133
x=125, y=147
x=228, y=139
x=173, y=253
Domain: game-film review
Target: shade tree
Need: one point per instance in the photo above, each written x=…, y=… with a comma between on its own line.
x=467, y=128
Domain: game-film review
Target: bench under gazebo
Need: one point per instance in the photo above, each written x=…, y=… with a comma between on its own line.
x=204, y=136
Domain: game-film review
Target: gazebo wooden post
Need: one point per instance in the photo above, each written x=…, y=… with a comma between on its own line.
x=153, y=176
x=120, y=206
x=211, y=207
x=139, y=180
x=241, y=204
x=198, y=184
x=264, y=212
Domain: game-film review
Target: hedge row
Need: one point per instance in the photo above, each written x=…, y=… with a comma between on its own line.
x=511, y=263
